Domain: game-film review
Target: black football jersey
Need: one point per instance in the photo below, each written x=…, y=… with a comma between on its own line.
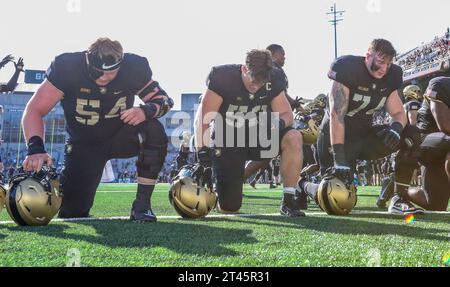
x=92, y=112
x=238, y=102
x=438, y=90
x=367, y=94
x=275, y=64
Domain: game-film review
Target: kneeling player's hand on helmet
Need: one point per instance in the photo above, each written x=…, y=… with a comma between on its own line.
x=391, y=135
x=344, y=174
x=341, y=168
x=35, y=162
x=204, y=156
x=204, y=162
x=202, y=175
x=133, y=116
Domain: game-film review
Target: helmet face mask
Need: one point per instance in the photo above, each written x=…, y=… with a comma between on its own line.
x=34, y=199
x=190, y=199
x=334, y=197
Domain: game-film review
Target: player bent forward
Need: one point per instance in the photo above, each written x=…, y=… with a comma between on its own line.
x=239, y=104
x=96, y=89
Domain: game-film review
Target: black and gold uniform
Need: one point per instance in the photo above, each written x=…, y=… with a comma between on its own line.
x=96, y=132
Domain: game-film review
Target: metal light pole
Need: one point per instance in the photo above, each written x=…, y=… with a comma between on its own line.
x=337, y=17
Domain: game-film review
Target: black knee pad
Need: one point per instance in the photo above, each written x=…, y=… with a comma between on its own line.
x=152, y=150
x=153, y=133
x=150, y=162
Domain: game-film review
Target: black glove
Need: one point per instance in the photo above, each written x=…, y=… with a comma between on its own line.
x=296, y=103
x=341, y=168
x=391, y=135
x=344, y=174
x=204, y=156
x=19, y=65
x=203, y=170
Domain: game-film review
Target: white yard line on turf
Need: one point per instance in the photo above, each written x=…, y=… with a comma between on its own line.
x=224, y=216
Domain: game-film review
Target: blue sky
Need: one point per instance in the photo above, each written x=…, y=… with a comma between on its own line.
x=184, y=39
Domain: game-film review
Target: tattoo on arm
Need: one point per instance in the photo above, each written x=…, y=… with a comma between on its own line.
x=339, y=102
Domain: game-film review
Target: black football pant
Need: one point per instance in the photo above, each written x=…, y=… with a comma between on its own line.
x=84, y=163
x=229, y=169
x=435, y=182
x=308, y=155
x=262, y=173
x=366, y=146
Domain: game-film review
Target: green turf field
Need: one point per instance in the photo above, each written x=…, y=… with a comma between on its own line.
x=364, y=238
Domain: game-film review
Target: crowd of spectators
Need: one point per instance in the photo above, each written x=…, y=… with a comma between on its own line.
x=124, y=169
x=437, y=50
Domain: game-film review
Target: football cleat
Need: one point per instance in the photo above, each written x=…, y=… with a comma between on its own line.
x=400, y=206
x=142, y=213
x=272, y=185
x=289, y=207
x=143, y=217
x=387, y=191
x=253, y=184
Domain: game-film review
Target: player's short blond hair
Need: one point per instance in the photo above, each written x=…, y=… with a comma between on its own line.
x=382, y=46
x=105, y=47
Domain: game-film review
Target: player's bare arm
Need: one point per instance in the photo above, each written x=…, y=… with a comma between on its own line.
x=281, y=105
x=339, y=99
x=394, y=107
x=210, y=104
x=42, y=102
